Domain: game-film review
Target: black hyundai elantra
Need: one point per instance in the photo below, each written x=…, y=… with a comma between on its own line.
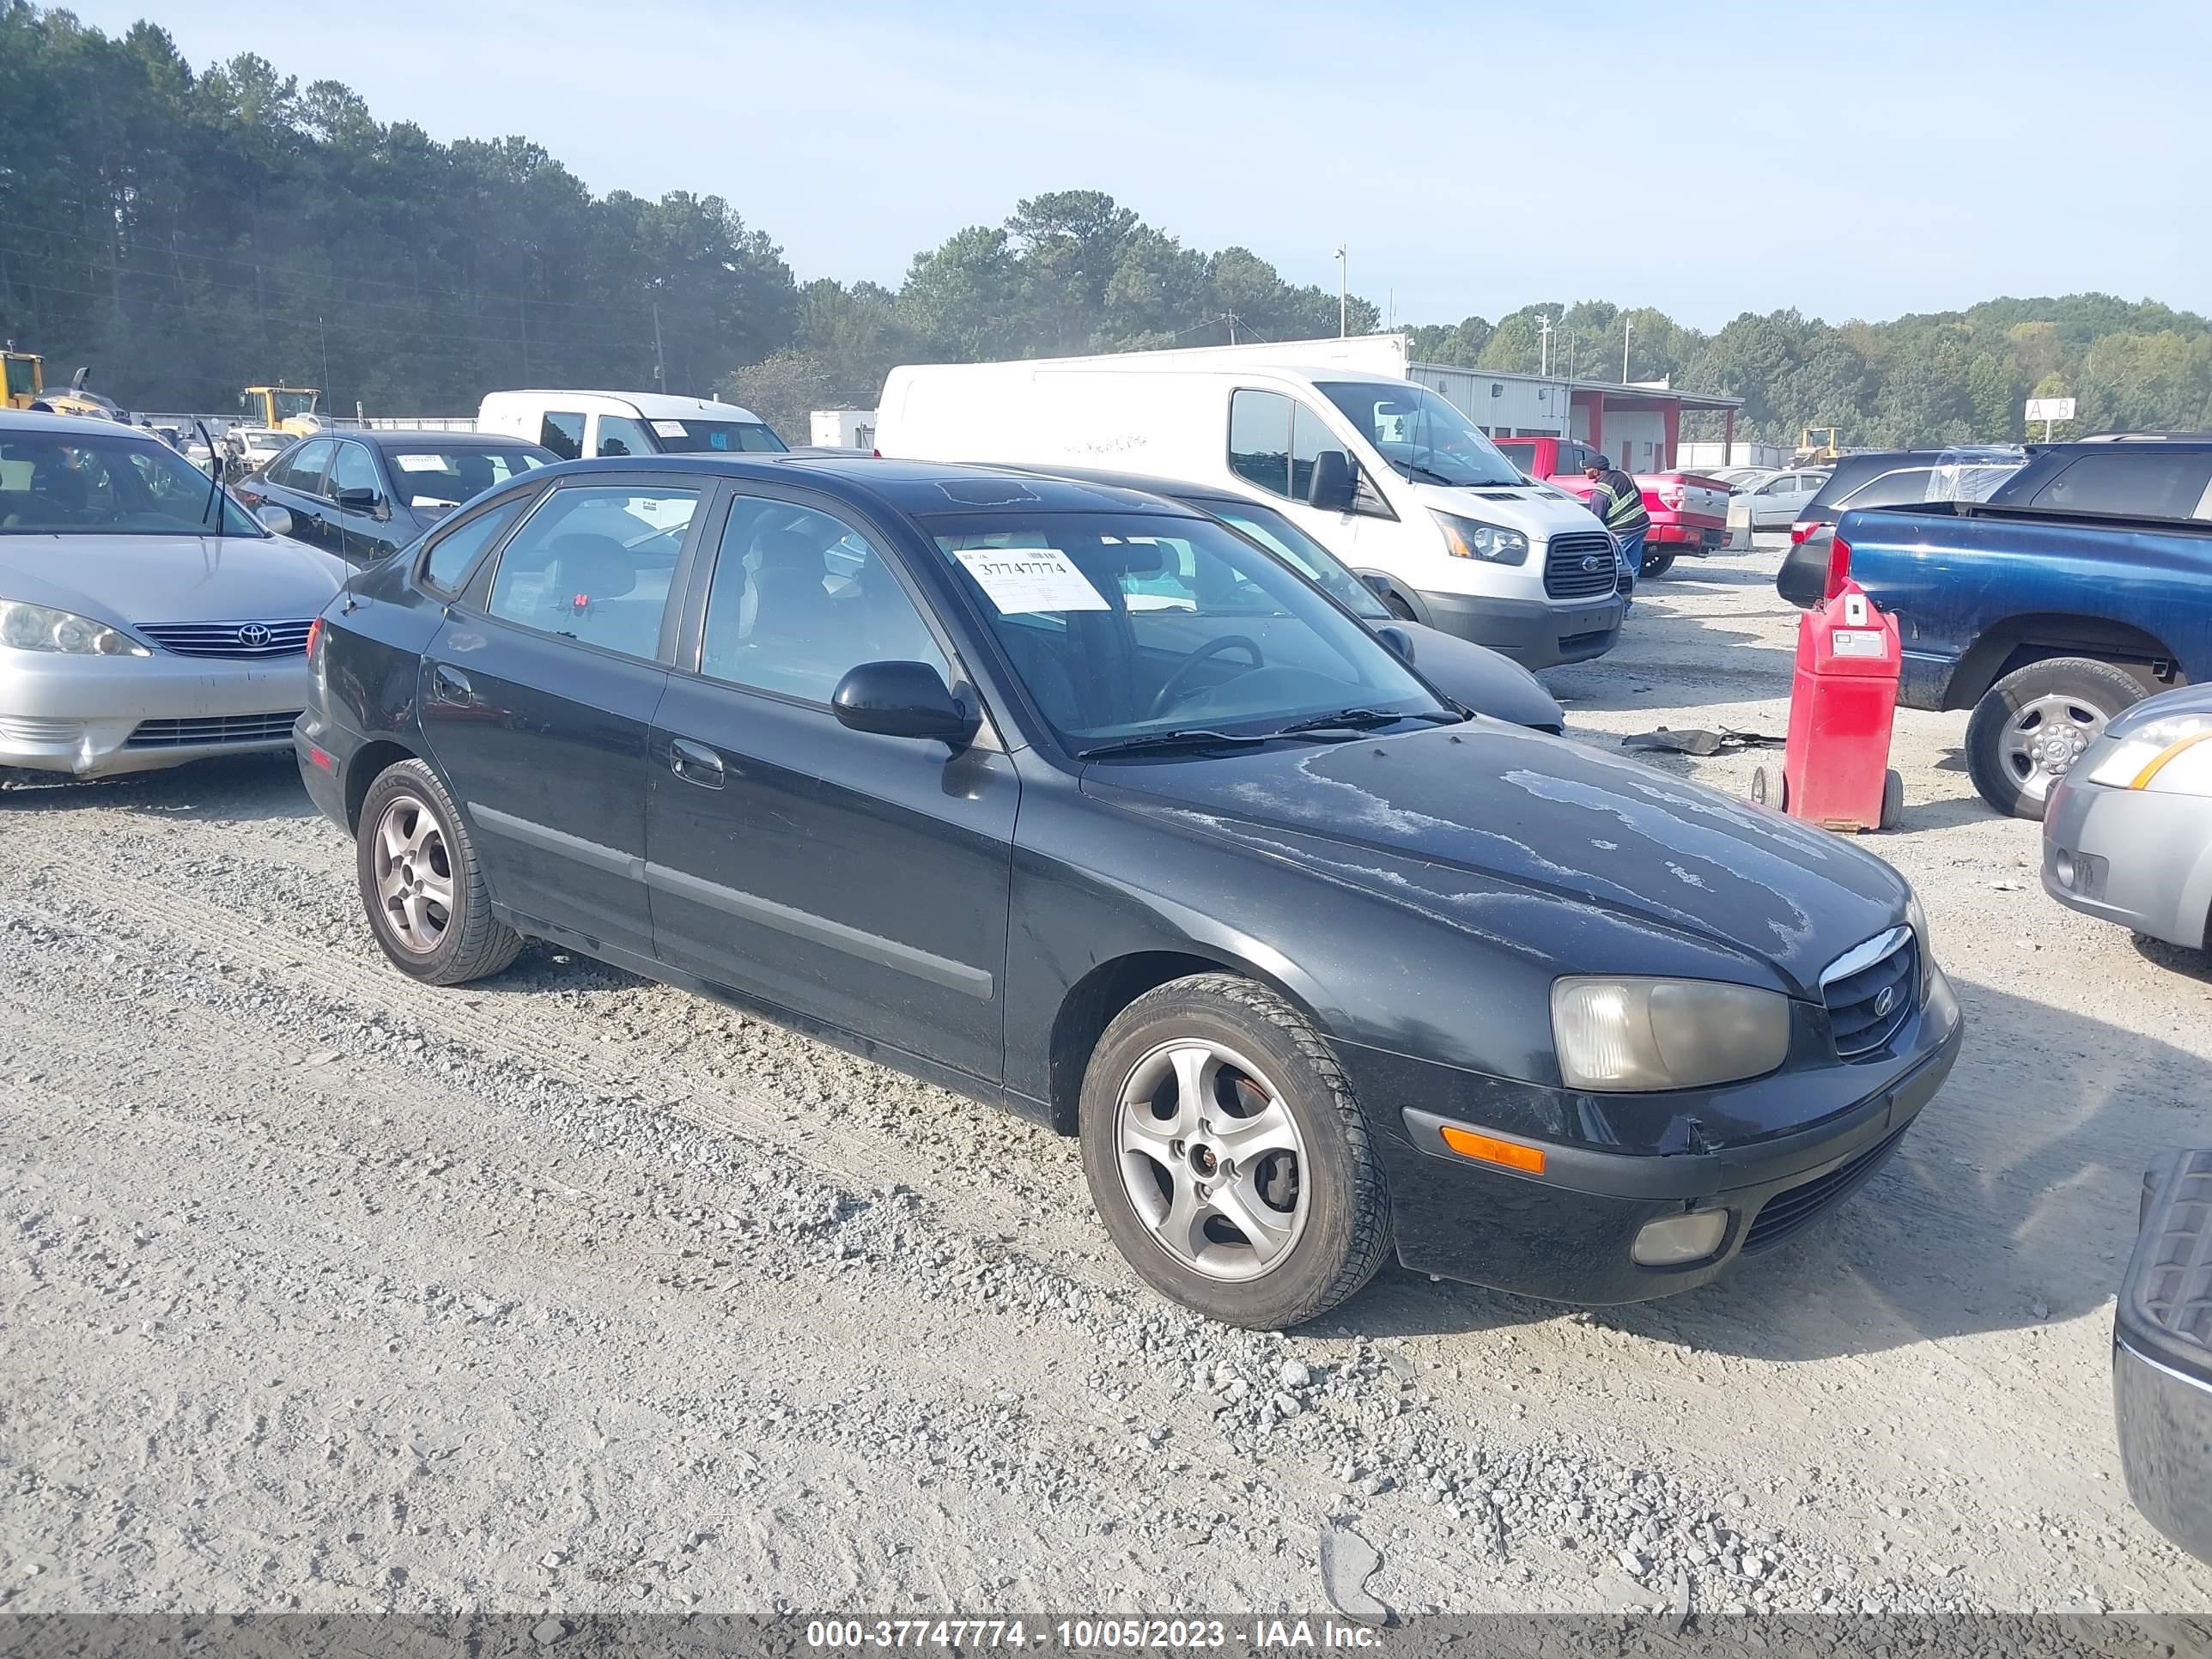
x=1077, y=801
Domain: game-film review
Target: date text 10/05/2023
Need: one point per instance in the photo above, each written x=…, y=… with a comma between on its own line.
x=1092, y=1634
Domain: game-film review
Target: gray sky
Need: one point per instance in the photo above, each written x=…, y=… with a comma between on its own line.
x=1856, y=161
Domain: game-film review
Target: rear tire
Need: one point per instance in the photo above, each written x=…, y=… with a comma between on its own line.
x=1892, y=800
x=422, y=884
x=2034, y=723
x=1657, y=562
x=1212, y=1112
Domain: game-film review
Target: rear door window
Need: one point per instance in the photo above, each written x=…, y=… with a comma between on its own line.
x=595, y=564
x=2143, y=480
x=446, y=565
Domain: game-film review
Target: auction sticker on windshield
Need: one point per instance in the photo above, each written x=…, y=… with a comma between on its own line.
x=1030, y=579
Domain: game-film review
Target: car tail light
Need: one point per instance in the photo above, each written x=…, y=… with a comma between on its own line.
x=314, y=634
x=1839, y=565
x=1675, y=494
x=1800, y=529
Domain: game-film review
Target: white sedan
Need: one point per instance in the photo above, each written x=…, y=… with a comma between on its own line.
x=145, y=619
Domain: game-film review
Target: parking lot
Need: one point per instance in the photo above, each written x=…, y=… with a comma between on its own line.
x=324, y=1288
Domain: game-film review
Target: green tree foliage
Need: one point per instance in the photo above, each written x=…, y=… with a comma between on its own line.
x=186, y=233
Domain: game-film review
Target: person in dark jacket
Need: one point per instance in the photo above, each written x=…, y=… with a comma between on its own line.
x=1618, y=501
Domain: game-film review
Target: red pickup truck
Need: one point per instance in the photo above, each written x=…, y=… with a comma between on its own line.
x=1689, y=512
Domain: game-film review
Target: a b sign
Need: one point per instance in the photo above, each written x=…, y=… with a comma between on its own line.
x=2050, y=408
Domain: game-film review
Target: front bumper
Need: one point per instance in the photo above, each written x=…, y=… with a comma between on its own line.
x=2162, y=1355
x=96, y=716
x=1565, y=1236
x=2138, y=857
x=1535, y=633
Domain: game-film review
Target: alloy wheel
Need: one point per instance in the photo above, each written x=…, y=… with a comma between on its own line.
x=1211, y=1159
x=414, y=874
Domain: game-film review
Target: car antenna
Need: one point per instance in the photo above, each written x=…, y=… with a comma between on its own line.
x=215, y=477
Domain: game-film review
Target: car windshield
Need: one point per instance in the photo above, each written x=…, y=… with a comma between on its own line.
x=1131, y=626
x=289, y=404
x=1315, y=562
x=690, y=437
x=434, y=480
x=1421, y=434
x=84, y=482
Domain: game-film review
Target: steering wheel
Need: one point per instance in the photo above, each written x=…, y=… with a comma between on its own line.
x=1170, y=693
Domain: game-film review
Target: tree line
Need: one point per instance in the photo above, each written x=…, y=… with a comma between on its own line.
x=188, y=232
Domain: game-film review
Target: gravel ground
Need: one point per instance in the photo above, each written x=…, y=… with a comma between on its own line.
x=321, y=1288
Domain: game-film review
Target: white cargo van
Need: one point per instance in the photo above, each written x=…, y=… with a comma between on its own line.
x=1382, y=470
x=575, y=425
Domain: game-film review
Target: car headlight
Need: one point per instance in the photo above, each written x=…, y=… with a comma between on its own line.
x=1916, y=919
x=1471, y=538
x=1638, y=1034
x=37, y=628
x=2170, y=754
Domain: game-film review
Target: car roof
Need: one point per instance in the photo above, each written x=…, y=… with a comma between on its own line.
x=37, y=420
x=649, y=405
x=418, y=437
x=917, y=488
x=1175, y=489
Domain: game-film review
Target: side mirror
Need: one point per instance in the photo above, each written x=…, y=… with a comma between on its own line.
x=274, y=519
x=1377, y=583
x=1400, y=641
x=902, y=700
x=357, y=498
x=1334, y=486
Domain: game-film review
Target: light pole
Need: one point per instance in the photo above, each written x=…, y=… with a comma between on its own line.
x=1544, y=346
x=1626, y=328
x=1341, y=293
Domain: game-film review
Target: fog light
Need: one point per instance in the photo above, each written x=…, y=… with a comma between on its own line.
x=1673, y=1240
x=2062, y=865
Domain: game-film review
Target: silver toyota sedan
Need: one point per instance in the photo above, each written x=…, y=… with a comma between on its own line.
x=145, y=619
x=2128, y=833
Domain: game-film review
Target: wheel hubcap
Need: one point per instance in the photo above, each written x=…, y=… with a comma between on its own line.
x=2045, y=738
x=414, y=875
x=1211, y=1159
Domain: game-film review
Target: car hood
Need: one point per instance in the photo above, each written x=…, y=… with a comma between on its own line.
x=1482, y=679
x=1538, y=511
x=1467, y=824
x=128, y=580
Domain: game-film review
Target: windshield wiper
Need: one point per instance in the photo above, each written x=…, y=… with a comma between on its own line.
x=1195, y=737
x=1360, y=720
x=1428, y=473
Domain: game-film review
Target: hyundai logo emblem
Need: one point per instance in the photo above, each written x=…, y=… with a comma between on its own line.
x=1885, y=999
x=254, y=636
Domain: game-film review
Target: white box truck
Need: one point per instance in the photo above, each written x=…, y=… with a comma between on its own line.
x=1386, y=473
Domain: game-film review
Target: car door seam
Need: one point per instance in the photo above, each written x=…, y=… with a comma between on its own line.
x=558, y=840
x=960, y=976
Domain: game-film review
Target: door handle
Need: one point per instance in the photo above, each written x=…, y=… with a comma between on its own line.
x=450, y=685
x=695, y=764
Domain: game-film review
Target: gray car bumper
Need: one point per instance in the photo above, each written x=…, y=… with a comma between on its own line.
x=2138, y=857
x=94, y=716
x=1533, y=632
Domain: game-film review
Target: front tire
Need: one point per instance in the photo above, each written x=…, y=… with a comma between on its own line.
x=2033, y=724
x=421, y=884
x=1227, y=1157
